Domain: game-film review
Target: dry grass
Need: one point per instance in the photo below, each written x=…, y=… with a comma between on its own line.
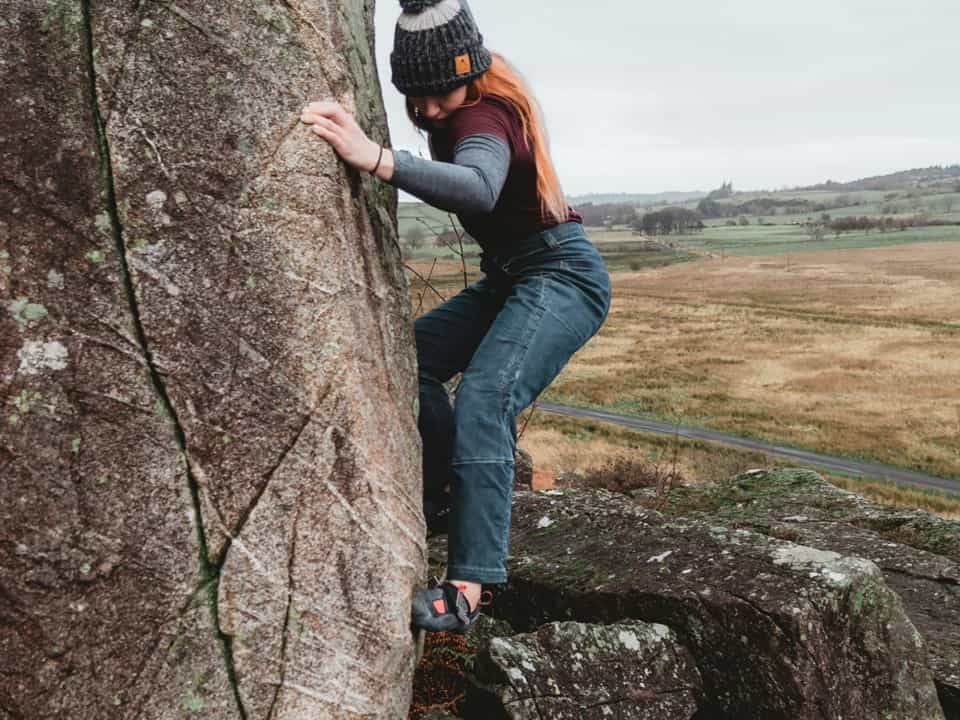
x=624, y=474
x=563, y=444
x=440, y=680
x=560, y=444
x=445, y=277
x=850, y=351
x=947, y=506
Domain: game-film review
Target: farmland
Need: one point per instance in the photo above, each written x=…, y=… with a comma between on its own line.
x=846, y=344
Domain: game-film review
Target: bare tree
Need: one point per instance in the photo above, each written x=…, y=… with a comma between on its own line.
x=816, y=231
x=415, y=236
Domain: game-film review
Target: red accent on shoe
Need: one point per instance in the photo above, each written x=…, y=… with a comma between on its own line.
x=440, y=606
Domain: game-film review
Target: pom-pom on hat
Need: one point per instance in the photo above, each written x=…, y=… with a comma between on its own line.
x=436, y=47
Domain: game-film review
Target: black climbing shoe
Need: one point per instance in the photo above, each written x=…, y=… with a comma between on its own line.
x=445, y=609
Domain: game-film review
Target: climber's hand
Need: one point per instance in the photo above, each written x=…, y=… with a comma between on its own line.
x=330, y=121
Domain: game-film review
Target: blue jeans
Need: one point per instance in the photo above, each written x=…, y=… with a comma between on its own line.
x=510, y=334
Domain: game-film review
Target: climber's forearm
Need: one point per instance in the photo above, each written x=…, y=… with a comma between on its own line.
x=470, y=184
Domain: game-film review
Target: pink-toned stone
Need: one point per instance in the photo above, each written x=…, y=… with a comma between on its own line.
x=209, y=450
x=543, y=480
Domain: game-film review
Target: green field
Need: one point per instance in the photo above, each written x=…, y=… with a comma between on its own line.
x=777, y=239
x=626, y=250
x=622, y=249
x=431, y=219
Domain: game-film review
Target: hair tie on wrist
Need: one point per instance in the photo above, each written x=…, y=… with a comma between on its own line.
x=374, y=171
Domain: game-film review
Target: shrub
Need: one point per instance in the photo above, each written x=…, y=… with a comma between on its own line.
x=623, y=474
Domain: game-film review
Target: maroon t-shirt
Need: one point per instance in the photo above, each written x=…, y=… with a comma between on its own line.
x=517, y=211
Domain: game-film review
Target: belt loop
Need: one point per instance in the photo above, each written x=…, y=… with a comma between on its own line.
x=549, y=239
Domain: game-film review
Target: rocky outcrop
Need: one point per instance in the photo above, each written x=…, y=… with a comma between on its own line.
x=777, y=629
x=204, y=334
x=796, y=599
x=576, y=671
x=917, y=552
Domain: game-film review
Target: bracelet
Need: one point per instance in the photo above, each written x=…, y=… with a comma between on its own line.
x=374, y=171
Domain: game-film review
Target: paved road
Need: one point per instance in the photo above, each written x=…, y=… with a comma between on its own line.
x=828, y=462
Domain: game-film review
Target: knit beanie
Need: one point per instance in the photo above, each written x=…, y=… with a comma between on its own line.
x=436, y=47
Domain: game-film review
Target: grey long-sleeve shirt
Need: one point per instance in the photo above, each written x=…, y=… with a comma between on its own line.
x=471, y=184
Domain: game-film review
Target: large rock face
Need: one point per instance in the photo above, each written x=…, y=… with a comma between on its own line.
x=777, y=629
x=204, y=336
x=918, y=553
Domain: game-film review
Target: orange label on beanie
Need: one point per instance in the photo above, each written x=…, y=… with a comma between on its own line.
x=462, y=64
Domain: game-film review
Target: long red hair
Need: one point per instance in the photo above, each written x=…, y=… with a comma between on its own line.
x=503, y=80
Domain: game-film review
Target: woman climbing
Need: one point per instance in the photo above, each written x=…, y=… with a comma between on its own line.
x=544, y=293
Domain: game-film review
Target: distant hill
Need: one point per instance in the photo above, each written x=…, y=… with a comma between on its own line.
x=935, y=176
x=635, y=199
x=929, y=180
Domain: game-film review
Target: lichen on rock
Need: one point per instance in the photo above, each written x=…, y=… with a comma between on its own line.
x=577, y=671
x=777, y=630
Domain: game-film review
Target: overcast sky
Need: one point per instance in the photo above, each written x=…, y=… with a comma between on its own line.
x=647, y=97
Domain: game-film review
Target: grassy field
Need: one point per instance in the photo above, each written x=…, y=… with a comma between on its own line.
x=560, y=444
x=420, y=214
x=625, y=250
x=850, y=351
x=846, y=345
x=783, y=238
x=853, y=351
